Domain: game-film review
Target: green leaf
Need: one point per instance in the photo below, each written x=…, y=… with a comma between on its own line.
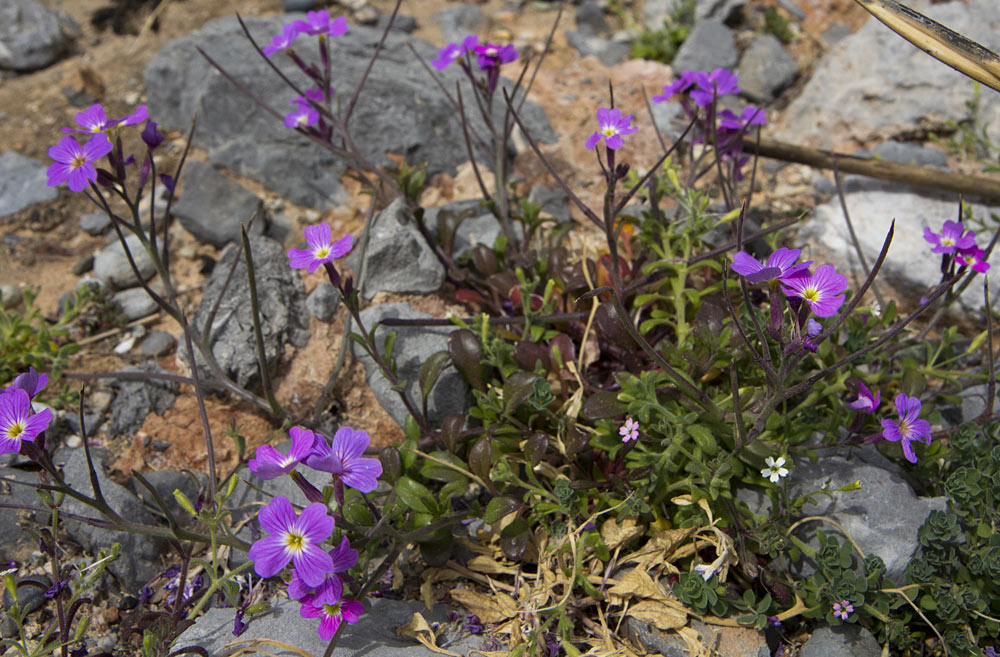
x=431, y=370
x=602, y=405
x=416, y=496
x=498, y=508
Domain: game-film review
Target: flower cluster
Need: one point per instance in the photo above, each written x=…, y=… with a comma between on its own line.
x=907, y=429
x=843, y=609
x=318, y=576
x=18, y=421
x=489, y=58
x=822, y=290
x=954, y=241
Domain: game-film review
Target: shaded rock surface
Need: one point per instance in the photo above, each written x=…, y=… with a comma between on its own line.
x=213, y=206
x=841, y=641
x=22, y=181
x=13, y=538
x=459, y=21
x=31, y=36
x=281, y=297
x=732, y=641
x=247, y=140
x=414, y=345
x=137, y=399
x=135, y=303
x=322, y=302
x=709, y=46
x=766, y=69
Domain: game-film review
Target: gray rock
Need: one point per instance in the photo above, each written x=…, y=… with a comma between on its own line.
x=709, y=46
x=255, y=144
x=322, y=302
x=12, y=539
x=872, y=83
x=298, y=5
x=22, y=179
x=883, y=515
x=766, y=69
x=139, y=560
x=841, y=641
x=414, y=345
x=608, y=51
x=95, y=223
x=157, y=344
x=31, y=36
x=480, y=229
x=30, y=596
x=459, y=21
x=974, y=401
x=165, y=482
x=732, y=641
x=398, y=257
x=374, y=635
x=654, y=12
x=111, y=265
x=281, y=298
x=137, y=399
x=402, y=23
x=135, y=303
x=213, y=206
x=590, y=18
x=554, y=202
x=872, y=211
x=11, y=296
x=910, y=153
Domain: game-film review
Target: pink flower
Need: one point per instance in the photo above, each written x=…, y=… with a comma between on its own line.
x=343, y=459
x=294, y=539
x=321, y=249
x=823, y=291
x=973, y=258
x=866, y=402
x=74, y=163
x=270, y=463
x=329, y=606
x=31, y=382
x=629, y=430
x=17, y=423
x=283, y=40
x=842, y=609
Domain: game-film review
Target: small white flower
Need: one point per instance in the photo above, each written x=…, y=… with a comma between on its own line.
x=706, y=570
x=775, y=469
x=876, y=308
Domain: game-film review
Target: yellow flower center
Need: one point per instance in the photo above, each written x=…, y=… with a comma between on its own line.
x=332, y=610
x=79, y=161
x=810, y=294
x=322, y=252
x=15, y=430
x=295, y=542
x=947, y=241
x=609, y=131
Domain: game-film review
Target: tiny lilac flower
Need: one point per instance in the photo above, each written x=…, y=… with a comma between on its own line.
x=611, y=127
x=283, y=40
x=17, y=422
x=343, y=459
x=629, y=430
x=678, y=86
x=304, y=114
x=813, y=328
x=293, y=539
x=321, y=248
x=453, y=51
x=720, y=82
x=842, y=609
x=775, y=469
x=909, y=428
x=74, y=163
x=328, y=605
x=140, y=114
x=866, y=401
x=952, y=237
x=318, y=23
x=823, y=291
x=780, y=266
x=974, y=258
x=270, y=463
x=31, y=382
x=491, y=56
x=92, y=120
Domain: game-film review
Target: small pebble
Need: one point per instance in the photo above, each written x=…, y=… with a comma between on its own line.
x=83, y=265
x=161, y=445
x=157, y=344
x=95, y=223
x=125, y=345
x=367, y=15
x=74, y=441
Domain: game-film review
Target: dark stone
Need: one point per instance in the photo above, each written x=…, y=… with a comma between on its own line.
x=281, y=298
x=83, y=265
x=608, y=51
x=22, y=179
x=298, y=5
x=157, y=344
x=30, y=596
x=709, y=46
x=135, y=303
x=137, y=399
x=322, y=302
x=31, y=36
x=766, y=69
x=212, y=207
x=841, y=641
x=590, y=18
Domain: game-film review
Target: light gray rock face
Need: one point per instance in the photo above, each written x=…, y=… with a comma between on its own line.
x=873, y=83
x=766, y=69
x=458, y=22
x=157, y=343
x=322, y=302
x=608, y=51
x=140, y=555
x=213, y=206
x=135, y=303
x=401, y=110
x=95, y=223
x=729, y=641
x=883, y=515
x=281, y=298
x=111, y=265
x=910, y=268
x=12, y=538
x=374, y=635
x=31, y=36
x=398, y=258
x=841, y=641
x=709, y=46
x=22, y=181
x=137, y=399
x=910, y=153
x=414, y=345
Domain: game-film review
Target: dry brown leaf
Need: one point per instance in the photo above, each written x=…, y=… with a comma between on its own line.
x=694, y=643
x=657, y=613
x=419, y=629
x=427, y=594
x=472, y=546
x=659, y=547
x=635, y=583
x=485, y=564
x=493, y=608
x=615, y=535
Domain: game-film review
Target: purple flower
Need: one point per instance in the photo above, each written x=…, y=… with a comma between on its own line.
x=750, y=116
x=679, y=86
x=74, y=163
x=909, y=428
x=293, y=539
x=720, y=82
x=151, y=135
x=866, y=402
x=92, y=120
x=813, y=328
x=492, y=56
x=453, y=51
x=629, y=430
x=344, y=556
x=321, y=249
x=343, y=459
x=31, y=382
x=328, y=604
x=140, y=114
x=973, y=258
x=318, y=23
x=303, y=115
x=780, y=266
x=951, y=238
x=842, y=609
x=822, y=291
x=270, y=463
x=17, y=422
x=283, y=39
x=611, y=127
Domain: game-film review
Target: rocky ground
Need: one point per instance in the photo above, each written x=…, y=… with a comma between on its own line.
x=842, y=81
